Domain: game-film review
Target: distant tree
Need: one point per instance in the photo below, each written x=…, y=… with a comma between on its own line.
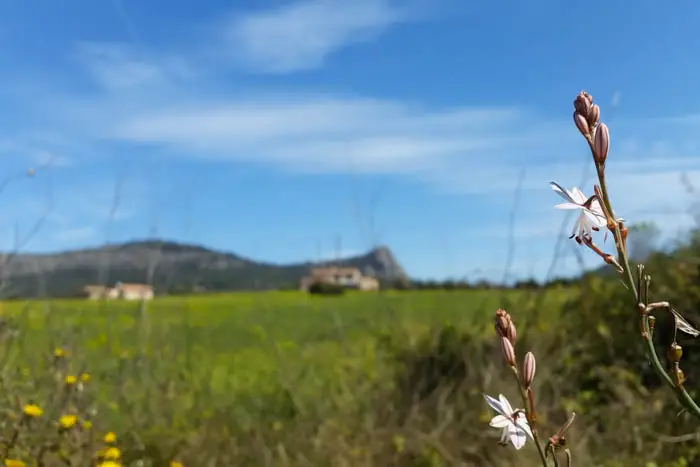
x=560, y=281
x=642, y=240
x=483, y=284
x=324, y=288
x=401, y=283
x=527, y=284
x=464, y=285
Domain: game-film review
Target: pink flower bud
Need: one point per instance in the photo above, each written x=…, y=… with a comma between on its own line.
x=508, y=351
x=504, y=326
x=529, y=366
x=512, y=333
x=502, y=322
x=581, y=123
x=601, y=143
x=583, y=103
x=593, y=115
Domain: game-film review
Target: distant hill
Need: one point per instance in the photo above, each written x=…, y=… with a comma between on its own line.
x=172, y=268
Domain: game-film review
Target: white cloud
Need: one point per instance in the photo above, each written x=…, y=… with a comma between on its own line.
x=117, y=66
x=616, y=98
x=301, y=35
x=461, y=150
x=322, y=133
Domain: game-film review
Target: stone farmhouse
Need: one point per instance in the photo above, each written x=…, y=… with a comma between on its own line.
x=351, y=278
x=120, y=291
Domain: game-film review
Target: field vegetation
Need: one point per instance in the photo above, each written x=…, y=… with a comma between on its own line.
x=360, y=379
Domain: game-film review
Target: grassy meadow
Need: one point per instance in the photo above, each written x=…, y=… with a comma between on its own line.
x=205, y=380
x=289, y=379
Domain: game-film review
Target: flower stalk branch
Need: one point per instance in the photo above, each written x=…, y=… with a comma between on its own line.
x=598, y=139
x=519, y=424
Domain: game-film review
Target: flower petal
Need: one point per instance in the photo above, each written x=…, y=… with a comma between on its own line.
x=577, y=226
x=521, y=422
x=495, y=405
x=563, y=192
x=567, y=206
x=578, y=196
x=504, y=437
x=596, y=219
x=517, y=437
x=507, y=409
x=500, y=421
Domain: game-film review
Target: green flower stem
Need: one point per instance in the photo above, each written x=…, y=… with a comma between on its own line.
x=530, y=417
x=683, y=397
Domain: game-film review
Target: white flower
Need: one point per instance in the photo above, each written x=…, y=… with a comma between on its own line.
x=512, y=422
x=591, y=216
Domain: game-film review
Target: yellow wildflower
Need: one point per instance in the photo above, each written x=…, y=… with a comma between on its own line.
x=32, y=410
x=14, y=463
x=399, y=443
x=85, y=377
x=67, y=421
x=176, y=464
x=70, y=380
x=59, y=353
x=87, y=424
x=110, y=438
x=112, y=453
x=109, y=464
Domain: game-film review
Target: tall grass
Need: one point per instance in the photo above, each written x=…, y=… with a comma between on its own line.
x=250, y=378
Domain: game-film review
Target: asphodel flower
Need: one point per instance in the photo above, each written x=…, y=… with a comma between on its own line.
x=513, y=423
x=591, y=217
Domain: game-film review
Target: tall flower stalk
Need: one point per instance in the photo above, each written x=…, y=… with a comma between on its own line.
x=595, y=214
x=597, y=135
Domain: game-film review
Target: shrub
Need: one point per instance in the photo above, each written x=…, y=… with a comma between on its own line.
x=324, y=288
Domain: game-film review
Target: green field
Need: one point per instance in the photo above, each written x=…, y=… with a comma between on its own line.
x=240, y=363
x=363, y=379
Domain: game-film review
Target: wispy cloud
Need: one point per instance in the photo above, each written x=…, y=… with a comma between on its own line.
x=473, y=151
x=118, y=66
x=323, y=134
x=301, y=35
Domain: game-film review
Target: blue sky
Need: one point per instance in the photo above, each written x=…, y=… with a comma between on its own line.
x=274, y=128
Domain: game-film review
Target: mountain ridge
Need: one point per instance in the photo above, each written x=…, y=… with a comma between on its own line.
x=172, y=267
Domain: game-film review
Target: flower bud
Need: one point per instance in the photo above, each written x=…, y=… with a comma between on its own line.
x=529, y=366
x=593, y=115
x=583, y=103
x=512, y=333
x=502, y=322
x=508, y=351
x=504, y=325
x=674, y=354
x=601, y=143
x=581, y=123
